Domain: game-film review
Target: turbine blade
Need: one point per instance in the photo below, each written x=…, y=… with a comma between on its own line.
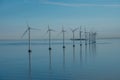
x=63, y=31
x=50, y=29
x=75, y=29
x=24, y=33
x=34, y=29
x=47, y=31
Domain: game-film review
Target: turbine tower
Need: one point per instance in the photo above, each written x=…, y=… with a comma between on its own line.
x=63, y=31
x=49, y=31
x=73, y=31
x=80, y=36
x=89, y=37
x=85, y=37
x=94, y=37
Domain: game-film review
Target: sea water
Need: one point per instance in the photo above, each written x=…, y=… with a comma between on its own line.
x=100, y=61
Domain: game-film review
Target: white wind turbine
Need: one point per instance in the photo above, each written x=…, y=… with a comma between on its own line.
x=85, y=36
x=63, y=31
x=88, y=36
x=73, y=31
x=49, y=31
x=80, y=36
x=94, y=37
x=29, y=36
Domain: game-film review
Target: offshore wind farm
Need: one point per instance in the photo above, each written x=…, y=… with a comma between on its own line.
x=89, y=37
x=59, y=59
x=62, y=40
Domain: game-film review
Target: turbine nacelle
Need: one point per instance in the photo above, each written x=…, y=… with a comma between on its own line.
x=28, y=29
x=63, y=29
x=50, y=29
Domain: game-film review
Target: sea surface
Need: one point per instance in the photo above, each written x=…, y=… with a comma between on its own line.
x=100, y=61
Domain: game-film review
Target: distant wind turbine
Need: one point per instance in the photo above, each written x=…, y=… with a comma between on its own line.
x=49, y=31
x=85, y=37
x=80, y=36
x=90, y=37
x=63, y=31
x=94, y=37
x=73, y=31
x=29, y=36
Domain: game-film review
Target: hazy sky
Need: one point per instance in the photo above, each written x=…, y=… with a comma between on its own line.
x=102, y=16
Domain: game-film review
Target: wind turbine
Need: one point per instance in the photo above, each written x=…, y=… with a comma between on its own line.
x=73, y=31
x=80, y=36
x=94, y=37
x=49, y=31
x=63, y=31
x=85, y=37
x=90, y=37
x=29, y=36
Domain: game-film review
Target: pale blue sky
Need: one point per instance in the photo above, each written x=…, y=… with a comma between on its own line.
x=102, y=16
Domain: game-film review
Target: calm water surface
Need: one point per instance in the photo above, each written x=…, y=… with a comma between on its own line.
x=100, y=61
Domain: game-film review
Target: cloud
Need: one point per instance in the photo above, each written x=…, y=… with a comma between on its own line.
x=80, y=5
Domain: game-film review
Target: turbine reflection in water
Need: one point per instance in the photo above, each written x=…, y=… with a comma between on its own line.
x=64, y=59
x=92, y=51
x=29, y=66
x=73, y=54
x=81, y=56
x=50, y=60
x=86, y=54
